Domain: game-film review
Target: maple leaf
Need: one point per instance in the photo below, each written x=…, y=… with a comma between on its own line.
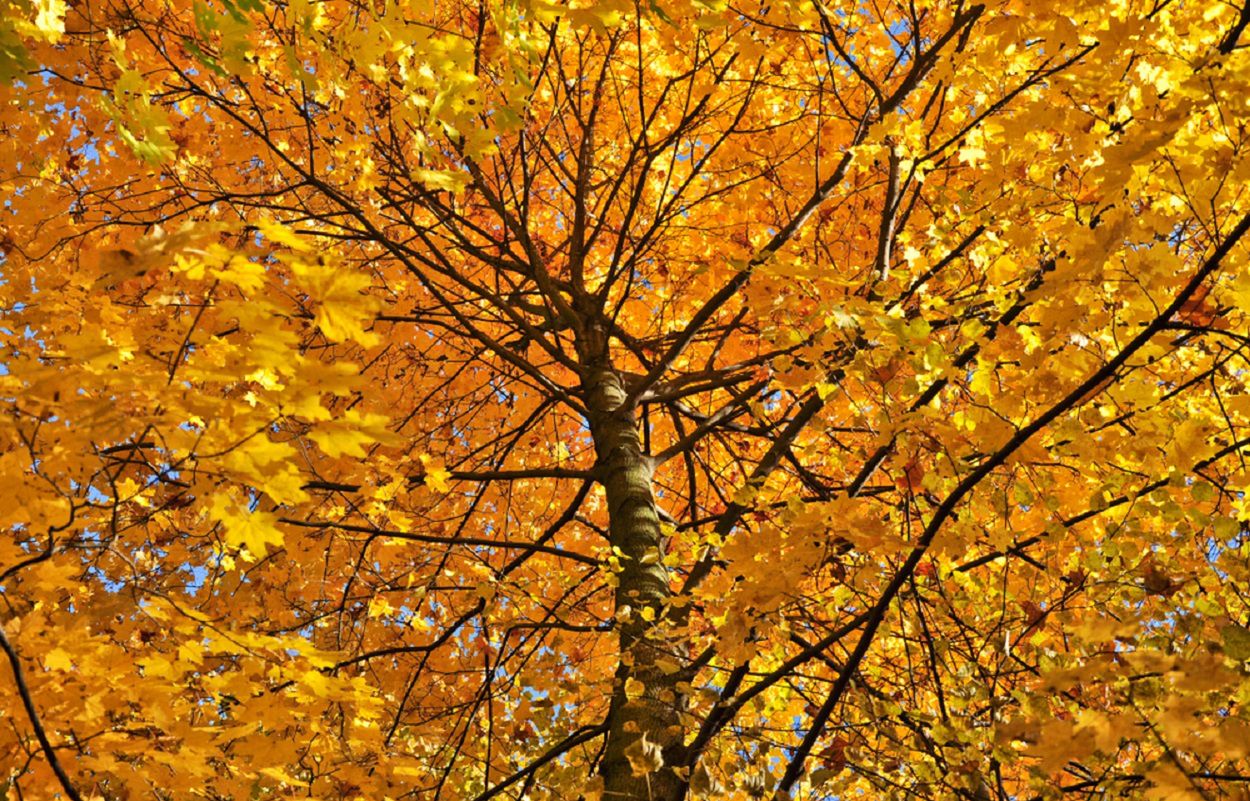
x=434, y=474
x=58, y=659
x=251, y=529
x=343, y=308
x=346, y=436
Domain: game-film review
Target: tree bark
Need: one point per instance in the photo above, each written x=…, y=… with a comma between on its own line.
x=643, y=584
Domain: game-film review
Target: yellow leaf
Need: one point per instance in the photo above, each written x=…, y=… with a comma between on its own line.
x=379, y=607
x=243, y=273
x=283, y=776
x=644, y=756
x=445, y=180
x=343, y=308
x=317, y=682
x=408, y=772
x=57, y=659
x=50, y=19
x=253, y=530
x=436, y=476
x=971, y=155
x=347, y=435
x=279, y=234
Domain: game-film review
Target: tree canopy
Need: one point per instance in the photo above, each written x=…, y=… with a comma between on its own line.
x=456, y=400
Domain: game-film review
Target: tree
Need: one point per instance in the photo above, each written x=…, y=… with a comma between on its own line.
x=479, y=400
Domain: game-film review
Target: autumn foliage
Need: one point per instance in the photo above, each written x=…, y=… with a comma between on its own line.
x=730, y=399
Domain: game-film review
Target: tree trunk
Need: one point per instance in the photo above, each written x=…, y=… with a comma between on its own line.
x=634, y=528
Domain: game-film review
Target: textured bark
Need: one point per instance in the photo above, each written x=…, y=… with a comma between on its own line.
x=634, y=528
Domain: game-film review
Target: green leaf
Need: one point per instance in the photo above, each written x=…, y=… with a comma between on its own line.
x=1236, y=641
